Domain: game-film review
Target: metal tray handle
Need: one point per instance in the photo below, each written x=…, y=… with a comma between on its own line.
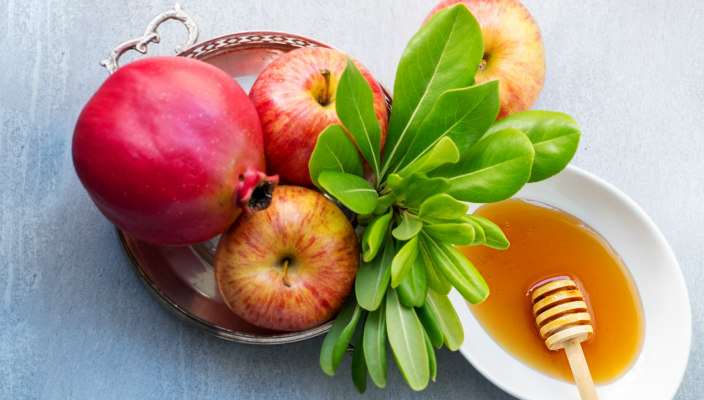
x=151, y=35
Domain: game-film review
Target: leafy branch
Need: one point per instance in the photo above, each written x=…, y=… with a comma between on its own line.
x=443, y=150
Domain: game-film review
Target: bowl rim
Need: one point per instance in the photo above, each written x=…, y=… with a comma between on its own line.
x=193, y=320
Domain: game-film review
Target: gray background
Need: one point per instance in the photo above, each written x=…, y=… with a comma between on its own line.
x=76, y=323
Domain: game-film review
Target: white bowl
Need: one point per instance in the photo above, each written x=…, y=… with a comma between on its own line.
x=658, y=371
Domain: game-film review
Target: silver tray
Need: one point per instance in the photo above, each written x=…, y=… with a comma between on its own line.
x=182, y=278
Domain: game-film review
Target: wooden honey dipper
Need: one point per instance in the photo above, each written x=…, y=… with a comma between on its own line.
x=564, y=322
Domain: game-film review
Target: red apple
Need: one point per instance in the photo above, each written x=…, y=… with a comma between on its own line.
x=513, y=51
x=295, y=99
x=289, y=267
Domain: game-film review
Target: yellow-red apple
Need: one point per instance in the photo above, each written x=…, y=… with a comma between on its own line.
x=289, y=267
x=513, y=51
x=295, y=97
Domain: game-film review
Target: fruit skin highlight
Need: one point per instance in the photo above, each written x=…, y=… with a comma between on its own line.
x=513, y=51
x=170, y=150
x=290, y=267
x=295, y=99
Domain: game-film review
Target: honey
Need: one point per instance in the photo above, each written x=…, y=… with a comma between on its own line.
x=548, y=243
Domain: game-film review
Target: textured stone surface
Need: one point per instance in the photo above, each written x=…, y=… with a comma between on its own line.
x=75, y=322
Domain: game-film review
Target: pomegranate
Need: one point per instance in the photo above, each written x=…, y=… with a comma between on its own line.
x=170, y=150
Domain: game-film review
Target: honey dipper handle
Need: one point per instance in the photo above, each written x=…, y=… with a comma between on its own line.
x=580, y=370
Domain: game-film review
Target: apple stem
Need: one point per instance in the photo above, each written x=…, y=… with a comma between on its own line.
x=324, y=98
x=483, y=62
x=286, y=282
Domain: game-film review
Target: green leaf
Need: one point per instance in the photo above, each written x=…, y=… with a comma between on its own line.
x=494, y=236
x=436, y=280
x=555, y=137
x=420, y=187
x=355, y=108
x=359, y=366
x=334, y=151
x=410, y=226
x=414, y=286
x=407, y=341
x=493, y=169
x=375, y=235
x=458, y=270
x=479, y=235
x=442, y=207
x=443, y=55
x=444, y=151
x=373, y=278
x=351, y=190
x=403, y=261
x=447, y=318
x=384, y=203
x=397, y=184
x=339, y=336
x=461, y=234
x=462, y=115
x=375, y=345
x=431, y=356
x=430, y=324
